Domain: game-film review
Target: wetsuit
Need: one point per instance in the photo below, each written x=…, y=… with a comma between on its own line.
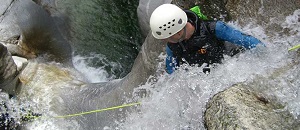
x=207, y=44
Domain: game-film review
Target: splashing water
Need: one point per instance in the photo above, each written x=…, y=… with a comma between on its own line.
x=178, y=101
x=95, y=75
x=13, y=111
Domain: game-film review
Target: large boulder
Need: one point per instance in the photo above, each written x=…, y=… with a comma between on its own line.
x=62, y=90
x=9, y=81
x=35, y=31
x=5, y=4
x=113, y=93
x=239, y=107
x=27, y=26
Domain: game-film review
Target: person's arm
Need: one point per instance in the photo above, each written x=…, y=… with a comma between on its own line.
x=227, y=33
x=170, y=62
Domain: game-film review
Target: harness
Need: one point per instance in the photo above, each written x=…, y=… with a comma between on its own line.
x=202, y=47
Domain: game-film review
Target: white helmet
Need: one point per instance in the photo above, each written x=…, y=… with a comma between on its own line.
x=166, y=20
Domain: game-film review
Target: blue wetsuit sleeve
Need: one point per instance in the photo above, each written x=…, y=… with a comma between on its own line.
x=227, y=33
x=170, y=62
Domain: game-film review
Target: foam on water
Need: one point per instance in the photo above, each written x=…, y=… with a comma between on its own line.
x=178, y=101
x=94, y=75
x=47, y=95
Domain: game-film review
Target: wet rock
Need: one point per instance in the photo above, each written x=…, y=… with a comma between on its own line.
x=241, y=108
x=269, y=14
x=212, y=9
x=37, y=30
x=9, y=81
x=15, y=47
x=60, y=16
x=114, y=92
x=5, y=4
x=144, y=11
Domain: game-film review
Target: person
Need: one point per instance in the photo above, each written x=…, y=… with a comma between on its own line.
x=193, y=39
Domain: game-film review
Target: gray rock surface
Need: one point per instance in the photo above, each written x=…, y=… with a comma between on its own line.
x=243, y=109
x=5, y=4
x=9, y=81
x=37, y=30
x=269, y=14
x=144, y=11
x=240, y=108
x=114, y=92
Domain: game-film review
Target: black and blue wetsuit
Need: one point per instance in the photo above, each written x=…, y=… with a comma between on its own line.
x=206, y=44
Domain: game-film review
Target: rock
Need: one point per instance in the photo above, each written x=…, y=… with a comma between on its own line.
x=115, y=92
x=38, y=33
x=63, y=84
x=60, y=16
x=20, y=62
x=5, y=4
x=9, y=81
x=212, y=9
x=269, y=14
x=16, y=47
x=238, y=107
x=144, y=11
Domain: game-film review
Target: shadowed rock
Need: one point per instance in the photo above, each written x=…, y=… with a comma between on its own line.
x=113, y=93
x=74, y=96
x=28, y=31
x=38, y=31
x=144, y=11
x=64, y=85
x=9, y=81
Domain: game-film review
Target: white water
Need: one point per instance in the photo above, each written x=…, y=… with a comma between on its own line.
x=91, y=74
x=94, y=75
x=178, y=101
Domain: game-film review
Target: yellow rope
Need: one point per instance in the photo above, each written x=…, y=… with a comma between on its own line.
x=89, y=112
x=294, y=47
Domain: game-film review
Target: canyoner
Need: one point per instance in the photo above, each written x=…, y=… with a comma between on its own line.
x=195, y=40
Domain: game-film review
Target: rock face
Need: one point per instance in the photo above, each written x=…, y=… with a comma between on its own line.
x=26, y=26
x=4, y=6
x=241, y=108
x=269, y=14
x=235, y=108
x=144, y=11
x=114, y=92
x=36, y=29
x=8, y=72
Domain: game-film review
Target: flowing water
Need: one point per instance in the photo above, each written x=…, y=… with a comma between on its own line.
x=174, y=101
x=178, y=101
x=105, y=31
